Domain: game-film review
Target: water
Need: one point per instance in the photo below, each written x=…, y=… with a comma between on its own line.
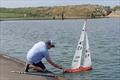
x=17, y=37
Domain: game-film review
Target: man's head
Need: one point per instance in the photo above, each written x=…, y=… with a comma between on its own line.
x=50, y=44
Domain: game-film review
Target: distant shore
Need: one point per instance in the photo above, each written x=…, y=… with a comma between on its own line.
x=114, y=15
x=11, y=19
x=84, y=11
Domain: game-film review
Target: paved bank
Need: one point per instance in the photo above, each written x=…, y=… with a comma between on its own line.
x=8, y=64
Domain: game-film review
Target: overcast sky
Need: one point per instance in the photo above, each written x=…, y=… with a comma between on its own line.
x=38, y=3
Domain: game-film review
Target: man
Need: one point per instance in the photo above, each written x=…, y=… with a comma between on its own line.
x=37, y=53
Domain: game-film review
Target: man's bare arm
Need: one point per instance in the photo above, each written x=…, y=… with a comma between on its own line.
x=52, y=63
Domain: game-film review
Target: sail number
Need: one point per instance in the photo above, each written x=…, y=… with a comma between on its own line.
x=79, y=47
x=77, y=57
x=75, y=60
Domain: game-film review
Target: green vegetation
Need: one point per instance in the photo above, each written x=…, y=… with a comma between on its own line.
x=57, y=12
x=116, y=8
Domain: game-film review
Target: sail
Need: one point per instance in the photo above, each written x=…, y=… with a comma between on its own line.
x=87, y=56
x=76, y=62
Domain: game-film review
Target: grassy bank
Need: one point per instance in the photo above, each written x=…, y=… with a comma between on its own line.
x=56, y=12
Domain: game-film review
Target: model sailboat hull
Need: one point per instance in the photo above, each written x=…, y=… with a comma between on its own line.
x=80, y=69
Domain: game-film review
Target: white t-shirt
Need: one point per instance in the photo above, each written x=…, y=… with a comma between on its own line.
x=37, y=53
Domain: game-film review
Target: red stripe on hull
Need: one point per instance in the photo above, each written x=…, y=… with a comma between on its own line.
x=81, y=69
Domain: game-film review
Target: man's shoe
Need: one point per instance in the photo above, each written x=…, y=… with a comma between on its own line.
x=27, y=67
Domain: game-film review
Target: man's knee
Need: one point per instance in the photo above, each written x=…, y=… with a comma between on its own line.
x=40, y=64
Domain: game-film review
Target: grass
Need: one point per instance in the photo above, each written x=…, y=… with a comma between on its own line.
x=57, y=12
x=10, y=15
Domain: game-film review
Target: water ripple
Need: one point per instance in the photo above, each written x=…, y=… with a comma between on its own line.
x=17, y=37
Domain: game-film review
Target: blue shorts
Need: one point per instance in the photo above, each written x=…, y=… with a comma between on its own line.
x=40, y=64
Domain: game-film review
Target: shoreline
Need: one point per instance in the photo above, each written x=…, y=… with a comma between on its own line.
x=18, y=19
x=8, y=64
x=13, y=19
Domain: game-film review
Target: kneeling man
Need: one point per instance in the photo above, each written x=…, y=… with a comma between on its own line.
x=37, y=53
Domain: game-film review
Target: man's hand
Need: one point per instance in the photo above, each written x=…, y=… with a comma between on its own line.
x=55, y=65
x=60, y=67
x=64, y=70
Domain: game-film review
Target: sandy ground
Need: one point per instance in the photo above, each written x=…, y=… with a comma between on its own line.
x=114, y=15
x=8, y=64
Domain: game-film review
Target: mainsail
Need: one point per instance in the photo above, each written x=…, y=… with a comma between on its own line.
x=76, y=63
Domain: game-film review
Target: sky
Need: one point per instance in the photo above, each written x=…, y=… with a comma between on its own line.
x=39, y=3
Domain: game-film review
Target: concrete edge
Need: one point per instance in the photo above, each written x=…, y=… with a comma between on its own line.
x=12, y=59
